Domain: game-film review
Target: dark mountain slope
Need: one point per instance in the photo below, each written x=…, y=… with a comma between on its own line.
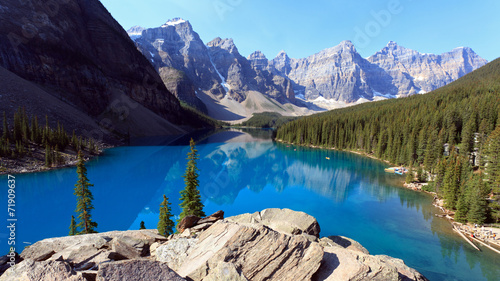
x=76, y=51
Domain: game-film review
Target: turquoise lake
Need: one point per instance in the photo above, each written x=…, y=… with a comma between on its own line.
x=242, y=172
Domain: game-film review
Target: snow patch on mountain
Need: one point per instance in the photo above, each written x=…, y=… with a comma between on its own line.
x=173, y=22
x=224, y=84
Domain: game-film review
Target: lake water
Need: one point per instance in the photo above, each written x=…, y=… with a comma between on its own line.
x=241, y=172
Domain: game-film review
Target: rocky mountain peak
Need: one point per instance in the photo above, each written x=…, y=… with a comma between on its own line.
x=135, y=30
x=225, y=44
x=256, y=55
x=343, y=48
x=347, y=43
x=392, y=45
x=258, y=60
x=413, y=72
x=392, y=49
x=174, y=22
x=463, y=50
x=282, y=54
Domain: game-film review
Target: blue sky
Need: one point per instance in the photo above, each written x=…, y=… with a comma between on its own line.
x=302, y=28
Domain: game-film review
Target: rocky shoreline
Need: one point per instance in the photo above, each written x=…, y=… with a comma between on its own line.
x=274, y=244
x=36, y=163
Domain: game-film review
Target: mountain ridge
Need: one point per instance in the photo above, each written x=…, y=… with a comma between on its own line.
x=334, y=77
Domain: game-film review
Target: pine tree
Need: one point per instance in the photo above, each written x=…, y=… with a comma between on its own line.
x=25, y=126
x=421, y=174
x=492, y=156
x=468, y=136
x=18, y=131
x=190, y=197
x=462, y=205
x=48, y=157
x=429, y=160
x=478, y=205
x=165, y=223
x=72, y=227
x=142, y=226
x=6, y=133
x=451, y=184
x=440, y=172
x=84, y=198
x=409, y=175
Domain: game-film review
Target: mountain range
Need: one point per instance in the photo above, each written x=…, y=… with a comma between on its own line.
x=75, y=64
x=218, y=80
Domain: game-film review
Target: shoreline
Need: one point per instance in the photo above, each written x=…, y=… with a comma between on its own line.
x=32, y=164
x=344, y=150
x=417, y=187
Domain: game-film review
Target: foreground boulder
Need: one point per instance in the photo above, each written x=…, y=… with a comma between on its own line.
x=258, y=251
x=343, y=264
x=44, y=270
x=196, y=224
x=132, y=270
x=282, y=220
x=274, y=244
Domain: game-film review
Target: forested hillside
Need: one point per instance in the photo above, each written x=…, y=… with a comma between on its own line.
x=462, y=116
x=267, y=120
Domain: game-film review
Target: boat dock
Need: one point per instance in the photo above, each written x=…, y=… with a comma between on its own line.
x=465, y=238
x=396, y=170
x=486, y=236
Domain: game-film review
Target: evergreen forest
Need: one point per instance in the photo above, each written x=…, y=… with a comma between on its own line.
x=452, y=135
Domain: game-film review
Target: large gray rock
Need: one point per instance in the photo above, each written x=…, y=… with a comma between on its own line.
x=129, y=247
x=270, y=245
x=29, y=270
x=258, y=251
x=41, y=248
x=174, y=252
x=136, y=270
x=79, y=254
x=187, y=222
x=344, y=242
x=225, y=271
x=89, y=250
x=283, y=220
x=219, y=215
x=343, y=264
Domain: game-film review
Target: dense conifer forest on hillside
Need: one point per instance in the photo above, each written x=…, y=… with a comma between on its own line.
x=452, y=134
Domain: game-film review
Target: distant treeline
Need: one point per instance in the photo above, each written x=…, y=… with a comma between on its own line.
x=267, y=120
x=192, y=113
x=26, y=134
x=450, y=132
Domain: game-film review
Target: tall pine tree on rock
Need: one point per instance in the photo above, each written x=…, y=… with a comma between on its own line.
x=84, y=198
x=165, y=224
x=190, y=197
